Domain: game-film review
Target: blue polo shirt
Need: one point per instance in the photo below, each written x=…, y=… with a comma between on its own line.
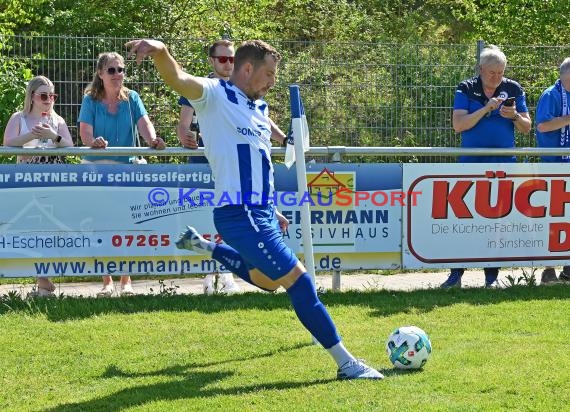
x=493, y=130
x=550, y=106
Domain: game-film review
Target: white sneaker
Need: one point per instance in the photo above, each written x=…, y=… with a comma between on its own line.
x=41, y=293
x=494, y=285
x=127, y=290
x=229, y=286
x=106, y=292
x=356, y=369
x=209, y=286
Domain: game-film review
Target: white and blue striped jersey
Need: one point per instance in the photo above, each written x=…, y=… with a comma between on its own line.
x=236, y=134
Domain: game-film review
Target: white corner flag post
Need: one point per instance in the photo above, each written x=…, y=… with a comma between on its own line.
x=297, y=145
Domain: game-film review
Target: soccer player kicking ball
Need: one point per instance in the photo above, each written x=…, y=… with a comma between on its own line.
x=236, y=131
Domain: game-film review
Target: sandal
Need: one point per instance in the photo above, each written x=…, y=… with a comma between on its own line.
x=41, y=293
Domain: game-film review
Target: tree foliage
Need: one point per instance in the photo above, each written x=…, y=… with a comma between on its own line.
x=517, y=22
x=322, y=41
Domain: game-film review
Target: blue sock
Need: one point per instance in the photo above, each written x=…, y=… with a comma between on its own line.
x=311, y=311
x=232, y=260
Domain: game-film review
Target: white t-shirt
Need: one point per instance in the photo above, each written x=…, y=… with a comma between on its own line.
x=236, y=134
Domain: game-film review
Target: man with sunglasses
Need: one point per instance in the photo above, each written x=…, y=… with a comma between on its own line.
x=221, y=58
x=253, y=246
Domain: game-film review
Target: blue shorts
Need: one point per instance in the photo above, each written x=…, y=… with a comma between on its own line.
x=253, y=231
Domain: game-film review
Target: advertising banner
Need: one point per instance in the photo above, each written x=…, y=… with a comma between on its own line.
x=124, y=219
x=484, y=214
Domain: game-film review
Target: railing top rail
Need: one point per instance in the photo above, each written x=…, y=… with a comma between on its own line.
x=279, y=151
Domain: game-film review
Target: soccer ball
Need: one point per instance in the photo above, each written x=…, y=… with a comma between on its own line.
x=408, y=347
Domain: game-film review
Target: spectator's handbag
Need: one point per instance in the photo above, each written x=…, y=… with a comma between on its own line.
x=136, y=160
x=47, y=160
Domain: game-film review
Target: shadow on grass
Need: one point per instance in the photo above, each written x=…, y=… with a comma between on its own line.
x=388, y=372
x=379, y=302
x=113, y=371
x=190, y=387
x=186, y=383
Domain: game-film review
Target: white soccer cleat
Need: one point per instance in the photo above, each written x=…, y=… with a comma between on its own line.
x=209, y=286
x=188, y=240
x=192, y=240
x=356, y=369
x=229, y=286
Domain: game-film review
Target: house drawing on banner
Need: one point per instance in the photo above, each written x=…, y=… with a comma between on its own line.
x=324, y=182
x=35, y=217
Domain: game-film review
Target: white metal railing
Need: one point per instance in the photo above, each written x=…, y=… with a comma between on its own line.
x=336, y=152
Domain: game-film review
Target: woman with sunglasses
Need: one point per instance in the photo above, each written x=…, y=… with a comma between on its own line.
x=110, y=116
x=38, y=122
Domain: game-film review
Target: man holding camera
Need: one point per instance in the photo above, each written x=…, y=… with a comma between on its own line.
x=486, y=111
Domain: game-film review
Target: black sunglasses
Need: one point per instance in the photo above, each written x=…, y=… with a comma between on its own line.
x=223, y=59
x=112, y=70
x=45, y=96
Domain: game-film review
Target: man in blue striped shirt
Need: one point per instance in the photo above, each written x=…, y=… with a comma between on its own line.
x=236, y=130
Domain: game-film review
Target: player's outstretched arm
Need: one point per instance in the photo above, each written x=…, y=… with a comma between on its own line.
x=183, y=83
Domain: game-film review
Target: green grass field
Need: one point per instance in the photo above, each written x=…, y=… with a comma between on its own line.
x=492, y=350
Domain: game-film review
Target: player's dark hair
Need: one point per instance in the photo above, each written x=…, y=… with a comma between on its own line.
x=254, y=51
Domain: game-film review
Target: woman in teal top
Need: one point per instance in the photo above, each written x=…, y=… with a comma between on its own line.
x=108, y=117
x=115, y=128
x=110, y=112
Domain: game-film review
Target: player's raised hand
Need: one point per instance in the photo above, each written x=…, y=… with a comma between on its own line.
x=169, y=69
x=143, y=48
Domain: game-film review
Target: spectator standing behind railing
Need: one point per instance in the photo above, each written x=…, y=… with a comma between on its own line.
x=553, y=130
x=221, y=58
x=110, y=116
x=486, y=111
x=38, y=125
